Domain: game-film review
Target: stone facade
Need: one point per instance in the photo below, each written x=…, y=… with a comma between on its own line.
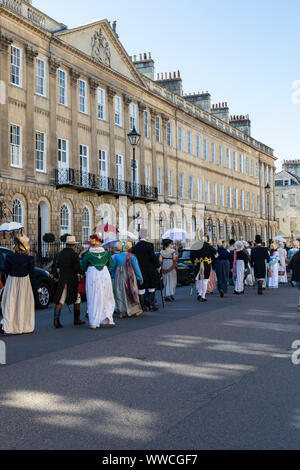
x=92, y=92
x=287, y=186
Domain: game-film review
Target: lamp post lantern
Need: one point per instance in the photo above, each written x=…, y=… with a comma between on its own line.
x=134, y=139
x=268, y=191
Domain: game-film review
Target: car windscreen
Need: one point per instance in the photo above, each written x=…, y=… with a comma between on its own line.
x=186, y=255
x=3, y=254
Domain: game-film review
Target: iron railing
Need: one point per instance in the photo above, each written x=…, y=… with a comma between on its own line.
x=83, y=181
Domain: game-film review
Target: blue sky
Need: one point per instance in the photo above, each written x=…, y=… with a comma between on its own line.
x=245, y=53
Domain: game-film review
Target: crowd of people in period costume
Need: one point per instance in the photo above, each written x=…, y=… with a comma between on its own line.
x=124, y=281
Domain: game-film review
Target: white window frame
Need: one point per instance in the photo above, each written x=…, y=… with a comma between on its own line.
x=190, y=142
x=207, y=192
x=20, y=220
x=159, y=181
x=206, y=149
x=235, y=198
x=215, y=194
x=86, y=229
x=82, y=98
x=41, y=77
x=235, y=162
x=222, y=196
x=119, y=165
x=63, y=87
x=180, y=138
x=213, y=152
x=19, y=146
x=191, y=188
x=241, y=161
x=200, y=189
x=101, y=111
x=69, y=228
x=157, y=129
x=252, y=168
x=133, y=115
x=229, y=197
x=198, y=145
x=228, y=158
x=181, y=188
x=43, y=152
x=19, y=67
x=242, y=194
x=220, y=155
x=118, y=111
x=148, y=175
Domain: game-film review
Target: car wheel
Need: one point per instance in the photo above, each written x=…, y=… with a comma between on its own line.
x=43, y=297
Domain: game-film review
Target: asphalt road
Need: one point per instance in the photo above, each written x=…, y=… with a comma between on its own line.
x=217, y=375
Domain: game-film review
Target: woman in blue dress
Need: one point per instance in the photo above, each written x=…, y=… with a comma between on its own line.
x=126, y=274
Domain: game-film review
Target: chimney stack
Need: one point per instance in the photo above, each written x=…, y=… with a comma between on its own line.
x=221, y=111
x=241, y=123
x=145, y=64
x=172, y=82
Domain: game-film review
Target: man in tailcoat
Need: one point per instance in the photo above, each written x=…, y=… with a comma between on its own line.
x=68, y=264
x=144, y=251
x=259, y=257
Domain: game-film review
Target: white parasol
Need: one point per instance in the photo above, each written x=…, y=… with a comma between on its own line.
x=11, y=227
x=280, y=239
x=175, y=234
x=125, y=234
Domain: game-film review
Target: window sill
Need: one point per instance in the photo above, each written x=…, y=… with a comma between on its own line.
x=16, y=166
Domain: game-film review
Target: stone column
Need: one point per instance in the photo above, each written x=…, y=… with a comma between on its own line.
x=52, y=160
x=165, y=120
x=153, y=114
x=128, y=154
x=142, y=168
x=94, y=159
x=111, y=93
x=29, y=164
x=74, y=148
x=5, y=42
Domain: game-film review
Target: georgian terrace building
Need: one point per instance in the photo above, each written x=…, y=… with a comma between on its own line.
x=69, y=97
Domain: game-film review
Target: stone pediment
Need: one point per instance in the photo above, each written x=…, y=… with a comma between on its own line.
x=101, y=43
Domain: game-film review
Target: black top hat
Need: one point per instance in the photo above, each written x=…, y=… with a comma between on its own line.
x=258, y=239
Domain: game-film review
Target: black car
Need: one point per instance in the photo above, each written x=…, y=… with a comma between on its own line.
x=184, y=275
x=44, y=282
x=185, y=259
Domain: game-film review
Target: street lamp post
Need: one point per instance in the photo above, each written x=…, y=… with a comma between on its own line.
x=134, y=139
x=268, y=191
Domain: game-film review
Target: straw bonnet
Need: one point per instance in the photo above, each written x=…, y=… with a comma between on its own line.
x=71, y=240
x=124, y=246
x=95, y=240
x=22, y=243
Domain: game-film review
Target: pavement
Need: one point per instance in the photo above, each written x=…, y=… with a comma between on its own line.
x=215, y=375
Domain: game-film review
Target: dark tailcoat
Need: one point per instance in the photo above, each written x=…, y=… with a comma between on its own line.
x=295, y=266
x=259, y=256
x=144, y=251
x=68, y=263
x=203, y=260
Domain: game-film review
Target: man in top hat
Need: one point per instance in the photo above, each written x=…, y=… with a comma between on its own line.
x=68, y=263
x=202, y=254
x=149, y=265
x=259, y=257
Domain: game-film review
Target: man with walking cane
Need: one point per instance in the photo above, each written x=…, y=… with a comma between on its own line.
x=144, y=251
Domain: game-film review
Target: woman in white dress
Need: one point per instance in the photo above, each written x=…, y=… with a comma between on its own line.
x=273, y=267
x=168, y=260
x=240, y=262
x=282, y=268
x=99, y=290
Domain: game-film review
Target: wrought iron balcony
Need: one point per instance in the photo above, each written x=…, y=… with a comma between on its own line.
x=81, y=181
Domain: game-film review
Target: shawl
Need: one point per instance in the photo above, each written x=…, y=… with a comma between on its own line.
x=130, y=279
x=168, y=254
x=97, y=259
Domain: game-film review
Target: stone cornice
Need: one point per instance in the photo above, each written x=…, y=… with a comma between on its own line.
x=142, y=106
x=42, y=111
x=18, y=103
x=94, y=84
x=54, y=64
x=5, y=41
x=111, y=93
x=74, y=75
x=127, y=99
x=31, y=53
